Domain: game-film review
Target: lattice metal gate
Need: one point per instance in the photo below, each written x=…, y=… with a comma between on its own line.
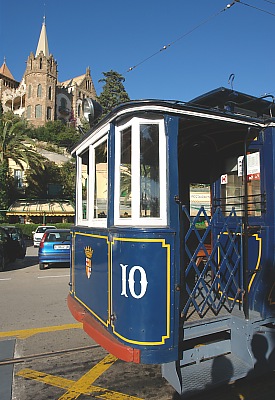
x=212, y=261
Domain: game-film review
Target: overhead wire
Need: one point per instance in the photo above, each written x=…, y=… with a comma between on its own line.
x=165, y=47
x=264, y=11
x=227, y=7
x=269, y=1
x=256, y=8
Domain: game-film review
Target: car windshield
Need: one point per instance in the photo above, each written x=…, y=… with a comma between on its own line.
x=58, y=237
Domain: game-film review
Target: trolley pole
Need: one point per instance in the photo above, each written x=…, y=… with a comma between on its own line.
x=245, y=232
x=246, y=229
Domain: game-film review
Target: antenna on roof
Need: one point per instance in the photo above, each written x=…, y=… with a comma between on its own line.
x=230, y=80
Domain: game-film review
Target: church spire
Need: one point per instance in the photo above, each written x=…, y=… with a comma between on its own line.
x=43, y=41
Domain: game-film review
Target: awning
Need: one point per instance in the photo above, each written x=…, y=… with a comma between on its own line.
x=57, y=208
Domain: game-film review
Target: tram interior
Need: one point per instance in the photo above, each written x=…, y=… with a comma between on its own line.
x=207, y=150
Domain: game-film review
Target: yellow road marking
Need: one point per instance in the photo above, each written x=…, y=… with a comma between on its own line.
x=85, y=382
x=46, y=378
x=83, y=386
x=26, y=333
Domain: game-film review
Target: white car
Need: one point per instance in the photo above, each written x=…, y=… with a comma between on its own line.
x=39, y=232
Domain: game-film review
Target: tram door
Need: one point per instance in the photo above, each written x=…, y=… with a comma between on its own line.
x=220, y=252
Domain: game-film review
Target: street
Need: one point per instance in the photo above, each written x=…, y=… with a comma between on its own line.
x=34, y=312
x=55, y=359
x=29, y=296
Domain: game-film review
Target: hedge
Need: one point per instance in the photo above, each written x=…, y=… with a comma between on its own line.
x=27, y=229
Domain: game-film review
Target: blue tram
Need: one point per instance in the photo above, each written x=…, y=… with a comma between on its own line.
x=173, y=245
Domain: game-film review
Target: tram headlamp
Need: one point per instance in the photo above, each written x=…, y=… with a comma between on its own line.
x=91, y=110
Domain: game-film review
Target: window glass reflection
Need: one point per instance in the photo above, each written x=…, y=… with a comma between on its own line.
x=125, y=202
x=149, y=171
x=84, y=183
x=101, y=181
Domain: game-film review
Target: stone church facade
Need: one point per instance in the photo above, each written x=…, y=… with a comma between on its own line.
x=40, y=97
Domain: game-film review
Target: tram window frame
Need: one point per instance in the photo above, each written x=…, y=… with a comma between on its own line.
x=90, y=147
x=80, y=179
x=234, y=169
x=99, y=220
x=135, y=218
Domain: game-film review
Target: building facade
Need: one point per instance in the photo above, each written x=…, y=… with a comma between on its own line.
x=40, y=97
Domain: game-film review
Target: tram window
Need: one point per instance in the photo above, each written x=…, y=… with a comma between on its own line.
x=84, y=183
x=125, y=202
x=233, y=188
x=140, y=196
x=100, y=181
x=149, y=171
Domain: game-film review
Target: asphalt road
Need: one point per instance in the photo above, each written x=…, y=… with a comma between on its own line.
x=30, y=297
x=35, y=320
x=34, y=312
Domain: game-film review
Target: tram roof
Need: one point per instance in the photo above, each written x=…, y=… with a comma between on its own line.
x=236, y=102
x=220, y=102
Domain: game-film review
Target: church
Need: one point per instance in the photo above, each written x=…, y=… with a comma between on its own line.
x=40, y=97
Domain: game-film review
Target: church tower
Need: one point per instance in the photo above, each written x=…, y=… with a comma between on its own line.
x=41, y=80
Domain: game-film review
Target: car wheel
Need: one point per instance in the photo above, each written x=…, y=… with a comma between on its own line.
x=41, y=266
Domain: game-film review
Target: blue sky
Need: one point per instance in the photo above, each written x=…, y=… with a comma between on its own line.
x=108, y=34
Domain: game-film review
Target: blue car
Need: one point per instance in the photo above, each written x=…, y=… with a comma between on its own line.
x=55, y=247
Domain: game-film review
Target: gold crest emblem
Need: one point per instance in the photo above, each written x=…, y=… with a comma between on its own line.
x=88, y=253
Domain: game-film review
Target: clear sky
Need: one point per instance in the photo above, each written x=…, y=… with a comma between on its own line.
x=108, y=34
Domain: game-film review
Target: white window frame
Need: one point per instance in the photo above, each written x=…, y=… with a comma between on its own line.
x=79, y=212
x=90, y=221
x=97, y=222
x=135, y=219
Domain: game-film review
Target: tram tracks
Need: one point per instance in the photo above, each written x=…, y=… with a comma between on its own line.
x=57, y=353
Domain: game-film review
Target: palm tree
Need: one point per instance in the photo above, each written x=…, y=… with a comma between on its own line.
x=15, y=145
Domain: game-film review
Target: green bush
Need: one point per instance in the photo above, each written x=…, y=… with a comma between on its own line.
x=27, y=229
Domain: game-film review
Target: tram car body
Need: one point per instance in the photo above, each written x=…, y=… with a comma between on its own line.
x=173, y=247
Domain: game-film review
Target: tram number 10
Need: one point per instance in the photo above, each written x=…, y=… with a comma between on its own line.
x=128, y=281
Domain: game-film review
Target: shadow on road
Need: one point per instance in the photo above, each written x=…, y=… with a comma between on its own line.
x=57, y=265
x=28, y=261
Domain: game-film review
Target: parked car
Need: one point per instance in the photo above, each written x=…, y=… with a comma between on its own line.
x=7, y=250
x=17, y=236
x=39, y=232
x=55, y=247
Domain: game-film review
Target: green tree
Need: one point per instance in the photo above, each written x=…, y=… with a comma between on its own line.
x=85, y=126
x=113, y=92
x=56, y=132
x=38, y=182
x=68, y=177
x=15, y=145
x=3, y=174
